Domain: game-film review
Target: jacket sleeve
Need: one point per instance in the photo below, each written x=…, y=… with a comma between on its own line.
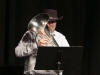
x=65, y=42
x=27, y=45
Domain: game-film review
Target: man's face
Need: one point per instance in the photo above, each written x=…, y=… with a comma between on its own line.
x=51, y=25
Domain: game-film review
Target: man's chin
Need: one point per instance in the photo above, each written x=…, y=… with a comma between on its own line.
x=51, y=30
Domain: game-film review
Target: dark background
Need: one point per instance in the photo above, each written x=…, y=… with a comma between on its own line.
x=80, y=25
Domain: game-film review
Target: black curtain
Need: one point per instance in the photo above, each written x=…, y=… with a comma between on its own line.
x=80, y=25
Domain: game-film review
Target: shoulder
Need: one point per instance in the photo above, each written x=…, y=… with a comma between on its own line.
x=29, y=35
x=27, y=32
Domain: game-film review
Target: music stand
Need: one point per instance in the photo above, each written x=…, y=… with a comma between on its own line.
x=59, y=58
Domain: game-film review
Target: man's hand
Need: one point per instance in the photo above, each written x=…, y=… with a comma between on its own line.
x=42, y=42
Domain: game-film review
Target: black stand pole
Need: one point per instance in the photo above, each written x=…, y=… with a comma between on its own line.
x=59, y=60
x=58, y=67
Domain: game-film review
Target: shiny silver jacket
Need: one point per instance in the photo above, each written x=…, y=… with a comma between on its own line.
x=27, y=47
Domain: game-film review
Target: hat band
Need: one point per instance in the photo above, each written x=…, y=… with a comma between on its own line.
x=52, y=18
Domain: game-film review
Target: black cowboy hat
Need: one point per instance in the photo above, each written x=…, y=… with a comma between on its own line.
x=52, y=14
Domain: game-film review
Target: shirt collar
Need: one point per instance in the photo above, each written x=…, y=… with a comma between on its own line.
x=53, y=33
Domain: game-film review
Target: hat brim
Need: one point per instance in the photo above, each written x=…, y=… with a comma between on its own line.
x=56, y=19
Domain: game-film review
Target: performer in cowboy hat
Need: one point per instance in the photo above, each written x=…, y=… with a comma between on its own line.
x=28, y=45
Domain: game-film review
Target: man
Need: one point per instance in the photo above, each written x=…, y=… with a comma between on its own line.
x=29, y=43
x=51, y=26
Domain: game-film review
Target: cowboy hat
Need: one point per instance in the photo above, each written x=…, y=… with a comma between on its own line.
x=52, y=14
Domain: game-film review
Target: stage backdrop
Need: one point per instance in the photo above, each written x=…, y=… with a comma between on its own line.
x=80, y=25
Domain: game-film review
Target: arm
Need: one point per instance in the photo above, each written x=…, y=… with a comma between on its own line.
x=65, y=42
x=27, y=45
x=61, y=39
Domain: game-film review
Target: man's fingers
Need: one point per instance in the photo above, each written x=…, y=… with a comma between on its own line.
x=43, y=41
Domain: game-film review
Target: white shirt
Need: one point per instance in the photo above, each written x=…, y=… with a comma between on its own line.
x=60, y=39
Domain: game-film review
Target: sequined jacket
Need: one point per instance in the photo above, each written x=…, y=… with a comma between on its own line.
x=27, y=47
